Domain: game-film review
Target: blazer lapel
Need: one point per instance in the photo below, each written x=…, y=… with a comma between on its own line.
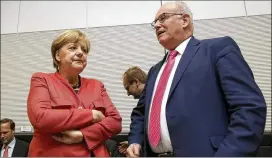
x=185, y=60
x=74, y=99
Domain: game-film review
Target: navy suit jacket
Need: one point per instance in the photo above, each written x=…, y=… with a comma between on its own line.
x=214, y=107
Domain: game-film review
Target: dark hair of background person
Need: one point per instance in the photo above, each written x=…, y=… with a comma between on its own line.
x=11, y=122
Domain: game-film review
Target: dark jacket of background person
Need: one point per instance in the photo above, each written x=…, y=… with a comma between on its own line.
x=20, y=149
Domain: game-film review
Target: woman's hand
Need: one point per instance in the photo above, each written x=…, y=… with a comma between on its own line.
x=97, y=116
x=69, y=137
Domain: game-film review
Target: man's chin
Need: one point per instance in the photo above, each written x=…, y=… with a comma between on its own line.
x=164, y=41
x=136, y=97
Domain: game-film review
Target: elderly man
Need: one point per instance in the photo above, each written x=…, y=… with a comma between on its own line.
x=11, y=146
x=200, y=99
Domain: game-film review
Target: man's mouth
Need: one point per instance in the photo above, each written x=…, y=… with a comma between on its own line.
x=160, y=32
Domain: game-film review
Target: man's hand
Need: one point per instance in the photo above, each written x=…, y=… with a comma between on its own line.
x=97, y=116
x=133, y=150
x=69, y=137
x=123, y=147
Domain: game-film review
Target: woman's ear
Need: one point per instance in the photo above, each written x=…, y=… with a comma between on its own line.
x=57, y=56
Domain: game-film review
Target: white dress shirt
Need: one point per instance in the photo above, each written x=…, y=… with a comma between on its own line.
x=11, y=146
x=165, y=142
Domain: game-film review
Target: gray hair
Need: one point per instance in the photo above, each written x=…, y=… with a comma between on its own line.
x=184, y=8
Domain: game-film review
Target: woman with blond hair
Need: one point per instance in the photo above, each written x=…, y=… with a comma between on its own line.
x=71, y=115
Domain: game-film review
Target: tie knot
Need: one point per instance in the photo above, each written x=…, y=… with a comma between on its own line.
x=173, y=54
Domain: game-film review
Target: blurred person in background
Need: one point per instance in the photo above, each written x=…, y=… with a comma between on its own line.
x=133, y=81
x=201, y=99
x=71, y=115
x=11, y=147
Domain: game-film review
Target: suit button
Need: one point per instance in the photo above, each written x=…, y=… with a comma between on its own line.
x=80, y=107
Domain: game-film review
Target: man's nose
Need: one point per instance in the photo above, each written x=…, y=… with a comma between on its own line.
x=157, y=25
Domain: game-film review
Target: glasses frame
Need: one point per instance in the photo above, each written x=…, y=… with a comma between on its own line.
x=163, y=17
x=128, y=85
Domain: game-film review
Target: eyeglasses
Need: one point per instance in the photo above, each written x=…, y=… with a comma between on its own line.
x=128, y=85
x=162, y=18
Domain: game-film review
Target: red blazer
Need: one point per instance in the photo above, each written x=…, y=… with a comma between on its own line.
x=54, y=107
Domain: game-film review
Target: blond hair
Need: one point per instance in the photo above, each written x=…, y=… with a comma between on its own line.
x=69, y=36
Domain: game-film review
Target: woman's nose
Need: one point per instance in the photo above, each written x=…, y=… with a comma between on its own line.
x=79, y=52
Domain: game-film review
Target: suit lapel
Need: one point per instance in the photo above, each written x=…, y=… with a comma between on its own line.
x=185, y=60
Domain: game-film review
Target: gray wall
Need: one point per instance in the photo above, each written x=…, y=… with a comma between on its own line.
x=114, y=49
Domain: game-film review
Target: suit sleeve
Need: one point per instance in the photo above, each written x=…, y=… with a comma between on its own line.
x=247, y=107
x=136, y=133
x=111, y=125
x=46, y=119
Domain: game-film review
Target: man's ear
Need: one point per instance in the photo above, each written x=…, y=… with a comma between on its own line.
x=137, y=82
x=186, y=20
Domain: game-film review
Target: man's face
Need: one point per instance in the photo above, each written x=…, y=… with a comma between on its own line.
x=7, y=134
x=132, y=88
x=169, y=26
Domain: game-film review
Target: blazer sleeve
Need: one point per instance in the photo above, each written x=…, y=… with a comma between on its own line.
x=246, y=103
x=46, y=119
x=111, y=125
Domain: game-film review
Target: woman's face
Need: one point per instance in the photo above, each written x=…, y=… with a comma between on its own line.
x=72, y=57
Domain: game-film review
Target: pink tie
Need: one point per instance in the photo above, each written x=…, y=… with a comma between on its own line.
x=6, y=151
x=154, y=125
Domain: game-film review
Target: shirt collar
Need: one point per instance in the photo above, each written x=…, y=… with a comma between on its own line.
x=11, y=144
x=181, y=47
